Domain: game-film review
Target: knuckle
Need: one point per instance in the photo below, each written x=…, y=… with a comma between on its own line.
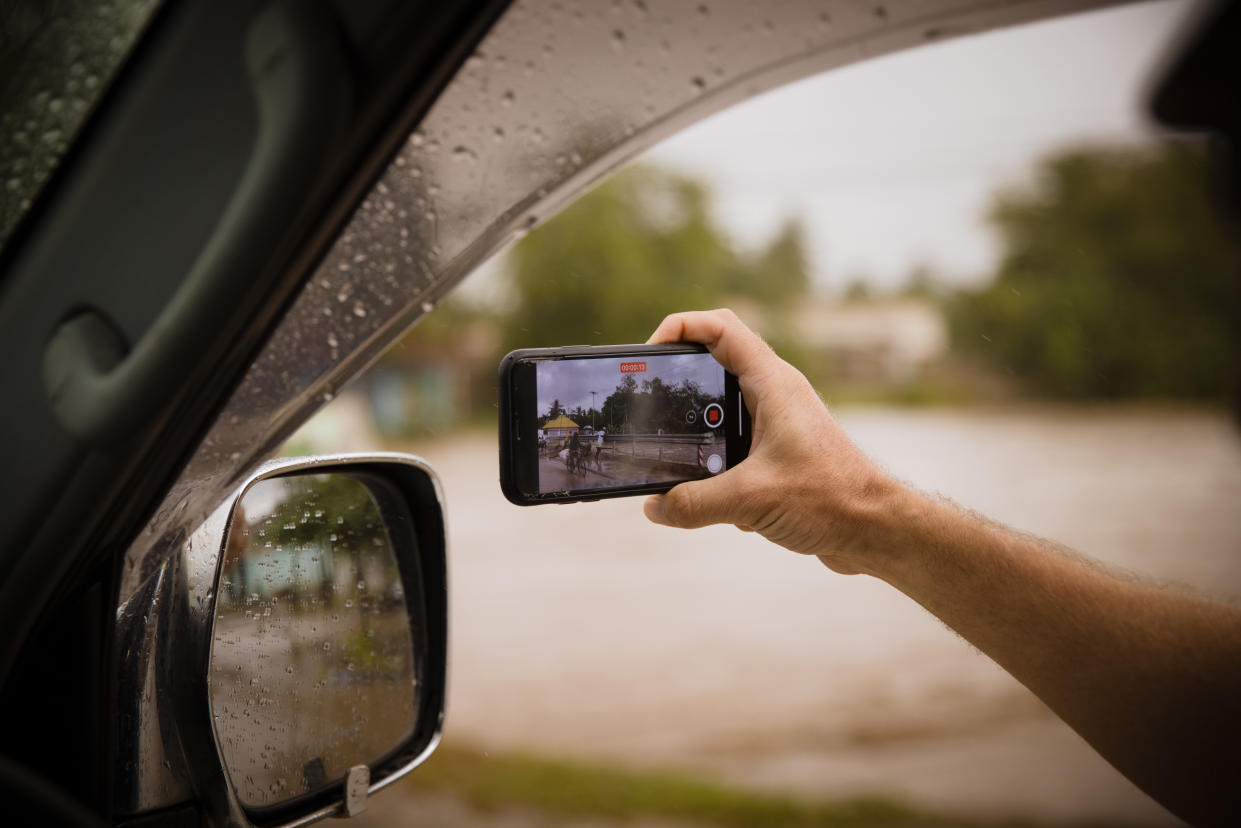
x=681, y=505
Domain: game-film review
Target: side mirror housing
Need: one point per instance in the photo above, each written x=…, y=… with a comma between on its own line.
x=311, y=642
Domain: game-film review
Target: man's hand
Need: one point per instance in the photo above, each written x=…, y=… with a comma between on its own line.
x=805, y=485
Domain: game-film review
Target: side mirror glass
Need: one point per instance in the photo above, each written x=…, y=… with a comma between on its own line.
x=326, y=660
x=313, y=661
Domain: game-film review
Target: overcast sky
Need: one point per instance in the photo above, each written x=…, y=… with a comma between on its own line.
x=572, y=380
x=891, y=162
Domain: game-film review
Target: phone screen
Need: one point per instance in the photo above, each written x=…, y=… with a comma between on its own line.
x=630, y=421
x=586, y=422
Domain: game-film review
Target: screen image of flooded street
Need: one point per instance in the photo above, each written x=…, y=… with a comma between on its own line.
x=626, y=421
x=628, y=461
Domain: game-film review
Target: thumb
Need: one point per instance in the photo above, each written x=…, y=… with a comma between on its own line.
x=695, y=504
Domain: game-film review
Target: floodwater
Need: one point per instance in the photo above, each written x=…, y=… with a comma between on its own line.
x=623, y=463
x=584, y=631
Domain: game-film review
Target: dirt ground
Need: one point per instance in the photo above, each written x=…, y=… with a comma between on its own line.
x=583, y=631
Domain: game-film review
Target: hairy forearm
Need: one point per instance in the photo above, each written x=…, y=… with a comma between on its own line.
x=1150, y=677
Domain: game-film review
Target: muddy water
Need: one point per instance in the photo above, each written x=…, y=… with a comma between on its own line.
x=584, y=631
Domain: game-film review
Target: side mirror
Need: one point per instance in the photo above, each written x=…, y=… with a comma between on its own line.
x=317, y=623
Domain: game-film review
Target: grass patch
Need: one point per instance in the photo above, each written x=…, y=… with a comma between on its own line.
x=571, y=789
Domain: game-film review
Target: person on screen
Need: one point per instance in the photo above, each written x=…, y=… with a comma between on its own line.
x=1150, y=677
x=575, y=450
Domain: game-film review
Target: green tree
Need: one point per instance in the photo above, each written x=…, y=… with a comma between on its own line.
x=1118, y=280
x=638, y=247
x=780, y=272
x=654, y=406
x=555, y=411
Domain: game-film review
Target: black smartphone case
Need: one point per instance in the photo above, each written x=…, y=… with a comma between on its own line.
x=508, y=476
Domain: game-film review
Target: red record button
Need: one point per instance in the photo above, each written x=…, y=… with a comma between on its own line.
x=713, y=415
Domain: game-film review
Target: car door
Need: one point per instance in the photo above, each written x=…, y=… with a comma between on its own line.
x=217, y=149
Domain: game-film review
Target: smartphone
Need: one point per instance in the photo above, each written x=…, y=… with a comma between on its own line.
x=589, y=422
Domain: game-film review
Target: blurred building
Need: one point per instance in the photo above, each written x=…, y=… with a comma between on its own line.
x=434, y=384
x=883, y=339
x=880, y=339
